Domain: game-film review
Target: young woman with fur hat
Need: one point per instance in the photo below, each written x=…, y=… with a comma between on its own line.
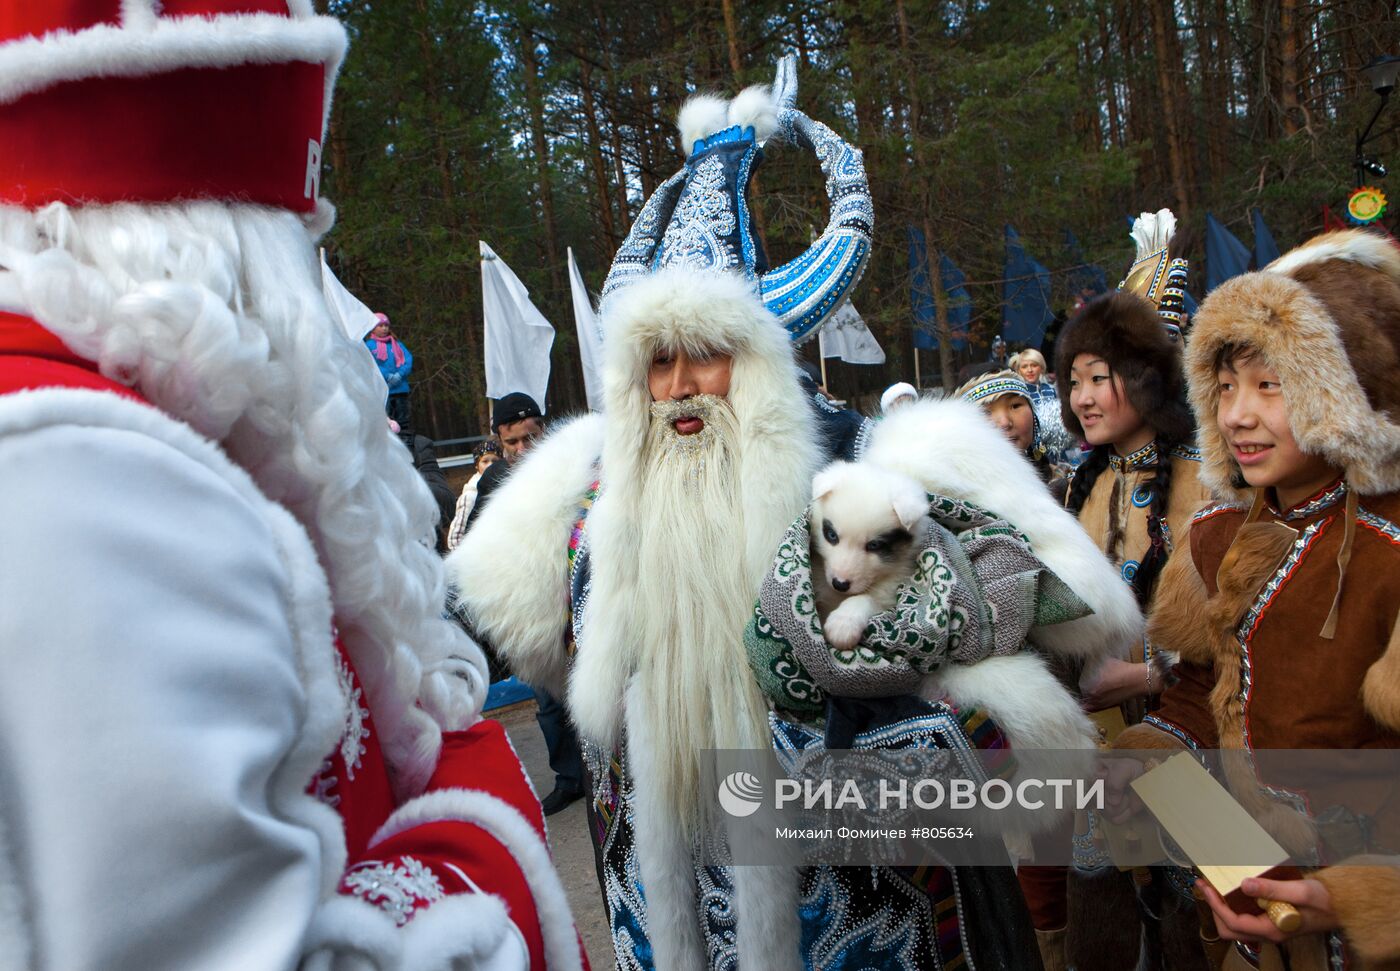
x=1122, y=390
x=1293, y=579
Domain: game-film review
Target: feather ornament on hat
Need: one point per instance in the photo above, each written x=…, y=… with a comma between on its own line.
x=1155, y=275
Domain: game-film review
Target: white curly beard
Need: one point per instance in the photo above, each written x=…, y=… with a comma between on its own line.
x=215, y=314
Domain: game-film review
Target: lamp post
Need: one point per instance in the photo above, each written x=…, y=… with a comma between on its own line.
x=1381, y=73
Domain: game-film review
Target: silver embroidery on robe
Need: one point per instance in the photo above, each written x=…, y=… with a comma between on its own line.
x=397, y=888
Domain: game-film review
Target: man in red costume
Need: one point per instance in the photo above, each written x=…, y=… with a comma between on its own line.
x=234, y=730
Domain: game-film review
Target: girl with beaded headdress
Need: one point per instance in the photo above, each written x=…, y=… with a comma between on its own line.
x=1061, y=447
x=1008, y=402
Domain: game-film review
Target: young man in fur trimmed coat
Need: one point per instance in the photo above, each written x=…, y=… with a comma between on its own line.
x=642, y=537
x=235, y=731
x=1290, y=592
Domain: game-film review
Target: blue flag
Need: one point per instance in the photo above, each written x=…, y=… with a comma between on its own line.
x=924, y=312
x=1082, y=276
x=920, y=293
x=959, y=301
x=1025, y=294
x=1265, y=249
x=1226, y=256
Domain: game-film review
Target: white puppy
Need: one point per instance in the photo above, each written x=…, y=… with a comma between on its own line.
x=864, y=523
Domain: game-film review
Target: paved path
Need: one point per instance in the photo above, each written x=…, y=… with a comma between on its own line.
x=568, y=836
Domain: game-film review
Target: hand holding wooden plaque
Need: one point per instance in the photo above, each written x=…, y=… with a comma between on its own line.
x=1222, y=841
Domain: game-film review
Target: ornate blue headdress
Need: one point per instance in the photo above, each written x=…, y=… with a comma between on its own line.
x=700, y=216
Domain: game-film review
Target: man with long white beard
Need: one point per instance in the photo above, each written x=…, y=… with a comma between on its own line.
x=639, y=540
x=235, y=730
x=679, y=541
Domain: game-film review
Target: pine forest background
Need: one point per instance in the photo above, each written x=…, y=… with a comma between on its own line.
x=537, y=126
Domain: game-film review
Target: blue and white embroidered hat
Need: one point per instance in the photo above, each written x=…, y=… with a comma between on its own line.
x=996, y=384
x=700, y=218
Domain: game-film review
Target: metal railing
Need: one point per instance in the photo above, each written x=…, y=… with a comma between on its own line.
x=461, y=448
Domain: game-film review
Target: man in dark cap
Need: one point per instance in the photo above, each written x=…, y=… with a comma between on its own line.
x=518, y=422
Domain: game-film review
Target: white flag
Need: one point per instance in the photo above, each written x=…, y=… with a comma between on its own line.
x=590, y=337
x=845, y=336
x=355, y=317
x=518, y=337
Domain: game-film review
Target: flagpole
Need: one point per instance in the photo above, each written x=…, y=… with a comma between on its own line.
x=918, y=384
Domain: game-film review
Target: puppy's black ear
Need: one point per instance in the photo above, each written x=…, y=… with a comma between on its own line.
x=909, y=500
x=825, y=482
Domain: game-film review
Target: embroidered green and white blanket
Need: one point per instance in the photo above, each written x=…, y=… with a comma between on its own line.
x=976, y=591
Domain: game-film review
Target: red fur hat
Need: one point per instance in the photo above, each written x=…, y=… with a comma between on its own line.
x=105, y=101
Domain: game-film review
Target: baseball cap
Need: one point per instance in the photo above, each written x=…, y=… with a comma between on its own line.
x=514, y=407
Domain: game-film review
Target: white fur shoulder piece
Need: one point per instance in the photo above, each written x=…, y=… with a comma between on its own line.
x=510, y=572
x=1022, y=696
x=950, y=448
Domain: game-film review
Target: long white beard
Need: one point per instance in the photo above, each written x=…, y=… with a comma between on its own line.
x=695, y=596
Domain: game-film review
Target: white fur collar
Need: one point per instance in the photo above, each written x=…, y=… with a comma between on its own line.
x=510, y=572
x=950, y=447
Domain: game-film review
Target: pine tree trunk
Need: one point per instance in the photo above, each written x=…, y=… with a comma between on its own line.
x=1108, y=70
x=595, y=156
x=472, y=343
x=731, y=33
x=1289, y=42
x=934, y=273
x=1163, y=41
x=1214, y=109
x=614, y=129
x=1091, y=120
x=643, y=118
x=1136, y=95
x=529, y=61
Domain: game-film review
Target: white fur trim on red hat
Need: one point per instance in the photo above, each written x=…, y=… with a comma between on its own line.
x=147, y=43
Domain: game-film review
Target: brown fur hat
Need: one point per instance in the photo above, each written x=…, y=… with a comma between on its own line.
x=1326, y=318
x=1126, y=332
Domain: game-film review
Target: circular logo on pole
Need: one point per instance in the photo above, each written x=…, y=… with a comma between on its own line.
x=740, y=794
x=1366, y=205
